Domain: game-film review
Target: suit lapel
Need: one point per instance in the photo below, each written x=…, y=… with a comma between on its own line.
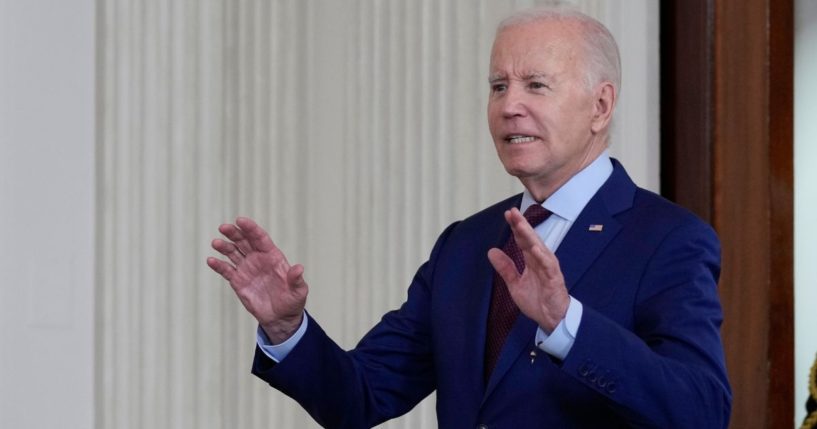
x=596, y=226
x=478, y=294
x=519, y=338
x=584, y=242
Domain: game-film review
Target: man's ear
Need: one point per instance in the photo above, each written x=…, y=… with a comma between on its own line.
x=603, y=105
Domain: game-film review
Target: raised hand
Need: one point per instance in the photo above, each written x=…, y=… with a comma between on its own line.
x=540, y=291
x=273, y=291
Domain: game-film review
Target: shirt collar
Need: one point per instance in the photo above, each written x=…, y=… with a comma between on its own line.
x=569, y=200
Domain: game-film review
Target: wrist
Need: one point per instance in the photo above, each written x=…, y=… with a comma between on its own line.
x=553, y=316
x=281, y=330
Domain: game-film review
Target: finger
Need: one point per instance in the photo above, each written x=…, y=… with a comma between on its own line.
x=234, y=234
x=523, y=233
x=538, y=257
x=226, y=270
x=545, y=263
x=257, y=237
x=295, y=276
x=229, y=250
x=503, y=265
x=553, y=267
x=528, y=240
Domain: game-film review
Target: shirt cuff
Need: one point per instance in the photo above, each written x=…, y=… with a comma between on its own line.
x=560, y=341
x=278, y=352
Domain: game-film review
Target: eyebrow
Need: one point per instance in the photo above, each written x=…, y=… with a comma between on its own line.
x=529, y=76
x=495, y=77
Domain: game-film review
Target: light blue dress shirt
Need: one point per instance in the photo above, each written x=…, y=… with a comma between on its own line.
x=565, y=204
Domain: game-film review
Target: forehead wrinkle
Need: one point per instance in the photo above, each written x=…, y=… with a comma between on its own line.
x=524, y=61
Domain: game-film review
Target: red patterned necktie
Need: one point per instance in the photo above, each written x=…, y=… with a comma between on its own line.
x=503, y=311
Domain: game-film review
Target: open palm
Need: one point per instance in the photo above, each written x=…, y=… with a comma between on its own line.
x=271, y=289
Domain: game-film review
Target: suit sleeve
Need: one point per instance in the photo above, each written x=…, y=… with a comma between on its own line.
x=385, y=376
x=669, y=370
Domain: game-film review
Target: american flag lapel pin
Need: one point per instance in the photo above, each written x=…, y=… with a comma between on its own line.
x=595, y=227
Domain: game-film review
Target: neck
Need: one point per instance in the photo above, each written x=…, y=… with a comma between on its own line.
x=541, y=188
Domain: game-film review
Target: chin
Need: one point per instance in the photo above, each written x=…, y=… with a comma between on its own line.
x=519, y=164
x=519, y=171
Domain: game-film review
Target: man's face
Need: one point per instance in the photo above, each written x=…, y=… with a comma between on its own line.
x=540, y=110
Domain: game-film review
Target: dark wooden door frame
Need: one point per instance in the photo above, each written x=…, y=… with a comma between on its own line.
x=727, y=154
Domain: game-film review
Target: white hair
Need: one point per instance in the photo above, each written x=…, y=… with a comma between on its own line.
x=601, y=51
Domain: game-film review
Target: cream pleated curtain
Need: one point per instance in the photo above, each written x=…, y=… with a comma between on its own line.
x=353, y=130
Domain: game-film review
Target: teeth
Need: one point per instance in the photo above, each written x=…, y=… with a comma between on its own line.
x=520, y=139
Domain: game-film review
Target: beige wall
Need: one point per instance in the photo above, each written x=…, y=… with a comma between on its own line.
x=47, y=214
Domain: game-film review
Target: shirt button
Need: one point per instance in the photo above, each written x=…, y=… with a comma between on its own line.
x=482, y=427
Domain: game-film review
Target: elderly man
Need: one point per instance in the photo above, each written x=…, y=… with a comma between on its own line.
x=618, y=328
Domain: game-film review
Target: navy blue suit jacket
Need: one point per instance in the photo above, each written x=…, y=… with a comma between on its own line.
x=647, y=354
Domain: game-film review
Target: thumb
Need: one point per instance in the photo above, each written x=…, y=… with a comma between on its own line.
x=295, y=276
x=503, y=265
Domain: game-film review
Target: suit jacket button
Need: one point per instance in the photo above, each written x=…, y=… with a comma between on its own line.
x=611, y=387
x=585, y=368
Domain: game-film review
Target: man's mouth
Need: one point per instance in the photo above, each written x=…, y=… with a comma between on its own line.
x=518, y=138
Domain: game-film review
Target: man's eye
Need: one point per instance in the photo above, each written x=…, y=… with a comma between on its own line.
x=537, y=85
x=498, y=87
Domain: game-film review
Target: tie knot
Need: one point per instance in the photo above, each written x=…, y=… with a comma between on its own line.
x=536, y=214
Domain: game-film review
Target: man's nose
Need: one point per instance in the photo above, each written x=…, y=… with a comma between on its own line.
x=513, y=103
